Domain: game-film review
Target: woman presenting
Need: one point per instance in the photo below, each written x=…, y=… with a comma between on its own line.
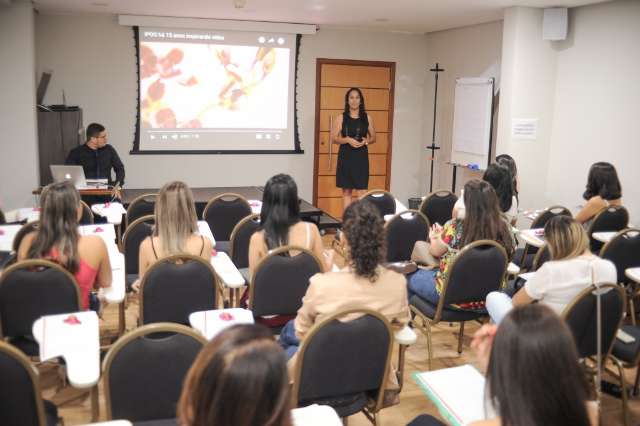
x=353, y=131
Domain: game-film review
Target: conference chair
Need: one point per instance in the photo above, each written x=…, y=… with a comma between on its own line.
x=581, y=316
x=478, y=269
x=29, y=290
x=279, y=283
x=610, y=219
x=3, y=220
x=144, y=370
x=135, y=233
x=402, y=231
x=629, y=353
x=87, y=215
x=345, y=365
x=524, y=257
x=21, y=403
x=425, y=420
x=384, y=201
x=624, y=251
x=438, y=206
x=543, y=255
x=222, y=213
x=12, y=256
x=143, y=205
x=239, y=245
x=176, y=286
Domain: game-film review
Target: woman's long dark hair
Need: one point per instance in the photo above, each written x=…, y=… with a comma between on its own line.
x=500, y=178
x=510, y=163
x=362, y=111
x=483, y=219
x=533, y=376
x=280, y=210
x=58, y=228
x=239, y=378
x=603, y=181
x=364, y=229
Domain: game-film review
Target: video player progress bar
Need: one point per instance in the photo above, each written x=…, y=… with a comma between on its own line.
x=217, y=131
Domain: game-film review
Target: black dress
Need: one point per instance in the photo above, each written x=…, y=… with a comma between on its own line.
x=352, y=171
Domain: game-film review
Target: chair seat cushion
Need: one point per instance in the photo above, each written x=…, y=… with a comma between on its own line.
x=344, y=405
x=428, y=309
x=627, y=352
x=223, y=246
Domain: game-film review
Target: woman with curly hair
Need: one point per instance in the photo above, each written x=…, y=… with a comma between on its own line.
x=364, y=283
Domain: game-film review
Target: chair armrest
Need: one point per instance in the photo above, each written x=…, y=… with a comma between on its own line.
x=406, y=336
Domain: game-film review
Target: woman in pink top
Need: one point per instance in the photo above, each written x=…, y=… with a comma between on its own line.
x=58, y=239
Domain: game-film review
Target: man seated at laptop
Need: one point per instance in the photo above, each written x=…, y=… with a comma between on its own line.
x=96, y=157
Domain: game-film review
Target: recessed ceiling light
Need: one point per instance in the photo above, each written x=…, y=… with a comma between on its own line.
x=382, y=20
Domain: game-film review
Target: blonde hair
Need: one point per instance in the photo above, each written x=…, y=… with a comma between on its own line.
x=566, y=238
x=176, y=219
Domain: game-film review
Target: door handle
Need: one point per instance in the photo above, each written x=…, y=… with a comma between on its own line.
x=330, y=141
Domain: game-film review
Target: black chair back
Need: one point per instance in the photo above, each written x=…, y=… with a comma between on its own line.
x=402, y=232
x=176, y=286
x=3, y=220
x=223, y=213
x=143, y=205
x=143, y=374
x=31, y=289
x=624, y=251
x=136, y=232
x=547, y=214
x=240, y=237
x=341, y=364
x=581, y=317
x=611, y=219
x=20, y=400
x=543, y=255
x=280, y=281
x=477, y=270
x=384, y=201
x=438, y=206
x=87, y=214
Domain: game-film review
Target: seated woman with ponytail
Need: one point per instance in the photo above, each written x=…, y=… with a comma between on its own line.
x=58, y=239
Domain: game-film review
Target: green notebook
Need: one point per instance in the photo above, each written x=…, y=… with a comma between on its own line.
x=457, y=392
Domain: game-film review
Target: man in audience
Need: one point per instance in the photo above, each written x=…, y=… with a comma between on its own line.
x=96, y=157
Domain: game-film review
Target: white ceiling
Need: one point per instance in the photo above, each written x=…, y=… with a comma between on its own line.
x=416, y=16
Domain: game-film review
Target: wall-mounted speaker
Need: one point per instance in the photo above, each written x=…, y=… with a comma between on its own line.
x=555, y=23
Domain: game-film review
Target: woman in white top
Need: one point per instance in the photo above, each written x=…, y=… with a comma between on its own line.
x=176, y=230
x=281, y=224
x=500, y=178
x=572, y=268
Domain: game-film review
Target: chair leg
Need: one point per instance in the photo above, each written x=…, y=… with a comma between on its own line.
x=632, y=309
x=400, y=372
x=637, y=381
x=461, y=334
x=623, y=386
x=427, y=325
x=122, y=325
x=95, y=408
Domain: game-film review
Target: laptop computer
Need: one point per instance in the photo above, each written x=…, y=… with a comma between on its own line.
x=73, y=174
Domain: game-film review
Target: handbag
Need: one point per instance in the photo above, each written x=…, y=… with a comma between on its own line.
x=422, y=256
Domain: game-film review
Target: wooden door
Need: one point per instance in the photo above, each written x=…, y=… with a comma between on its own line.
x=333, y=79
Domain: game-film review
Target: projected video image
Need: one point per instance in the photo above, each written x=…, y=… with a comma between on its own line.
x=213, y=86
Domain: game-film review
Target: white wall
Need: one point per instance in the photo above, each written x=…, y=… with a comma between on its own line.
x=473, y=51
x=585, y=93
x=597, y=102
x=19, y=146
x=528, y=87
x=93, y=60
